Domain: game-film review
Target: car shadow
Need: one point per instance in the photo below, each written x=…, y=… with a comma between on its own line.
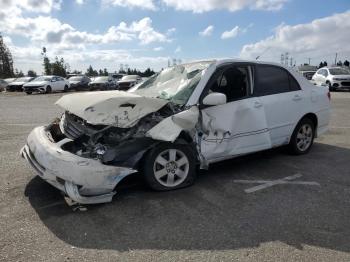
x=215, y=213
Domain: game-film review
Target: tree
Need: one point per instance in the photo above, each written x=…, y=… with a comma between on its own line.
x=59, y=67
x=31, y=73
x=321, y=65
x=325, y=63
x=105, y=72
x=18, y=73
x=340, y=63
x=46, y=62
x=6, y=62
x=91, y=72
x=346, y=63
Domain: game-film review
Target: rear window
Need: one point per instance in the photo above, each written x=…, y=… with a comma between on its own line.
x=273, y=80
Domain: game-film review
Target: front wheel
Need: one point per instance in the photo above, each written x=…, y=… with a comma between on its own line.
x=169, y=166
x=331, y=88
x=303, y=137
x=48, y=90
x=65, y=89
x=28, y=92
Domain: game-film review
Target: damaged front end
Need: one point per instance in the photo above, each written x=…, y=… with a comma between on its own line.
x=86, y=161
x=102, y=136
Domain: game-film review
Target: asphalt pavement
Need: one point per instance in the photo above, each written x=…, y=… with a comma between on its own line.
x=299, y=212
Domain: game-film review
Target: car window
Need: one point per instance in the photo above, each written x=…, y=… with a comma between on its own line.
x=325, y=72
x=293, y=84
x=233, y=82
x=272, y=80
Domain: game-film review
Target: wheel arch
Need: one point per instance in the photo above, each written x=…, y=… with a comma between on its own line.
x=312, y=117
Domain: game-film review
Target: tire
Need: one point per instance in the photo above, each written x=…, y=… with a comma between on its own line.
x=169, y=166
x=65, y=89
x=28, y=93
x=331, y=88
x=303, y=137
x=48, y=90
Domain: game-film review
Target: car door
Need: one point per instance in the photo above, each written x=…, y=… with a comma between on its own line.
x=239, y=126
x=283, y=100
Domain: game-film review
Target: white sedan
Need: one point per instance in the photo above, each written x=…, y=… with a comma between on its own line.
x=185, y=116
x=46, y=84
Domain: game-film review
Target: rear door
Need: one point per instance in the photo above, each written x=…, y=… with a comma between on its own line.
x=283, y=100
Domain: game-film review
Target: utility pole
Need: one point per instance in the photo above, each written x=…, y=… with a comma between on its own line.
x=309, y=61
x=336, y=56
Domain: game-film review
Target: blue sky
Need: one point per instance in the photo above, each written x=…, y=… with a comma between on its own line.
x=142, y=33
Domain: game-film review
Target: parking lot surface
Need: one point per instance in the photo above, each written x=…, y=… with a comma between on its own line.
x=299, y=212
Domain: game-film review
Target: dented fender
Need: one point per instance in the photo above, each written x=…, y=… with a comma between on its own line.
x=170, y=128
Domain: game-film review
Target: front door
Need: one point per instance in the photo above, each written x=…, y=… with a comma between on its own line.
x=239, y=126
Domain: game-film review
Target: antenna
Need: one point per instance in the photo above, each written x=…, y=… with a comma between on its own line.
x=267, y=49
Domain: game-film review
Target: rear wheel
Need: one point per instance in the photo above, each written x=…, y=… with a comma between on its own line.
x=169, y=166
x=303, y=137
x=65, y=89
x=48, y=90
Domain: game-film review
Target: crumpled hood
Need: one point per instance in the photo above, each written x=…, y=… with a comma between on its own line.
x=116, y=108
x=36, y=83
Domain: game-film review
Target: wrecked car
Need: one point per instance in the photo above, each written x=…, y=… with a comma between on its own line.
x=183, y=118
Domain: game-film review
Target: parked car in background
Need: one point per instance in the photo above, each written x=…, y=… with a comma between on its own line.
x=103, y=83
x=337, y=78
x=17, y=85
x=47, y=84
x=80, y=82
x=128, y=81
x=184, y=117
x=10, y=80
x=3, y=85
x=117, y=76
x=308, y=74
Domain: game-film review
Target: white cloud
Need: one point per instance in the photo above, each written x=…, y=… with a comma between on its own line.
x=178, y=49
x=45, y=29
x=231, y=34
x=200, y=6
x=29, y=57
x=143, y=4
x=80, y=2
x=37, y=6
x=208, y=31
x=159, y=48
x=318, y=39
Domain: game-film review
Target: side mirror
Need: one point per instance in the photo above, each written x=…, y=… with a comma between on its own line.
x=215, y=99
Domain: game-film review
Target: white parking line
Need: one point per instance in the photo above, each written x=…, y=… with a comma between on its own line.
x=270, y=183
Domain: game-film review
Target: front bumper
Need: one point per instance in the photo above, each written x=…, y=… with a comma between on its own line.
x=41, y=89
x=341, y=84
x=84, y=180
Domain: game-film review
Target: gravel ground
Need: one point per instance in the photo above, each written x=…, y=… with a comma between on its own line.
x=215, y=220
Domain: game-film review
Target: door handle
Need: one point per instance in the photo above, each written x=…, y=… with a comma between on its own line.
x=297, y=98
x=257, y=104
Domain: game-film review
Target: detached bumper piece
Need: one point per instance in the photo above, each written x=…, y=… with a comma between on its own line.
x=85, y=181
x=73, y=192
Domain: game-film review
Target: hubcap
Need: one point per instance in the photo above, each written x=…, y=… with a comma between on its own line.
x=304, y=137
x=171, y=167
